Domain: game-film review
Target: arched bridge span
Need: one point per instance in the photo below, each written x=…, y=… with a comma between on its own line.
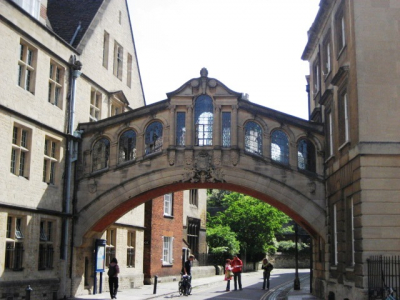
x=203, y=136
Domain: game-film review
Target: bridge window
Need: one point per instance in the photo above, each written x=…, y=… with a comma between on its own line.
x=154, y=138
x=306, y=155
x=253, y=138
x=204, y=120
x=226, y=129
x=280, y=147
x=101, y=153
x=180, y=129
x=127, y=146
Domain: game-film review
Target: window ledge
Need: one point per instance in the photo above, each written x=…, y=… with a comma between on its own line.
x=333, y=268
x=168, y=216
x=193, y=206
x=167, y=265
x=350, y=269
x=344, y=145
x=329, y=158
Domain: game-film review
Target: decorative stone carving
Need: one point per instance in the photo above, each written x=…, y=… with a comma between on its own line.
x=92, y=187
x=188, y=157
x=234, y=157
x=203, y=170
x=311, y=187
x=171, y=157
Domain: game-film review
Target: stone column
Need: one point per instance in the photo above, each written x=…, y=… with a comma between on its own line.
x=234, y=127
x=217, y=126
x=172, y=122
x=189, y=122
x=140, y=145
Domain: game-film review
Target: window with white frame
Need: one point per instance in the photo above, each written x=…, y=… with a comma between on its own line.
x=50, y=162
x=316, y=77
x=110, y=245
x=193, y=197
x=31, y=6
x=46, y=248
x=95, y=105
x=118, y=60
x=167, y=258
x=168, y=202
x=340, y=27
x=330, y=134
x=326, y=57
x=20, y=151
x=27, y=66
x=343, y=118
x=129, y=71
x=106, y=47
x=56, y=79
x=131, y=248
x=14, y=243
x=335, y=235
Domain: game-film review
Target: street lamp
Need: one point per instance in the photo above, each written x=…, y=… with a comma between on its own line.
x=296, y=279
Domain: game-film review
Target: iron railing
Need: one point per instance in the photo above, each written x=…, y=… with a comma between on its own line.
x=383, y=274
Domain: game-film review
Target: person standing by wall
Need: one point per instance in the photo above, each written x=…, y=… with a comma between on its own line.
x=237, y=266
x=188, y=266
x=228, y=274
x=267, y=267
x=113, y=271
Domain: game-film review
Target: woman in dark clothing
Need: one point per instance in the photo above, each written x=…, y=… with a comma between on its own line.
x=113, y=271
x=267, y=267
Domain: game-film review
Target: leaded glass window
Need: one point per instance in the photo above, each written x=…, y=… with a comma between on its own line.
x=226, y=129
x=204, y=120
x=280, y=147
x=253, y=138
x=154, y=138
x=101, y=153
x=180, y=129
x=127, y=146
x=306, y=155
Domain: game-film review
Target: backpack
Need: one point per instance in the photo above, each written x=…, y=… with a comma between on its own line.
x=112, y=270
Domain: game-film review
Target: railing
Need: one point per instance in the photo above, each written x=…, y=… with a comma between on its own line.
x=383, y=274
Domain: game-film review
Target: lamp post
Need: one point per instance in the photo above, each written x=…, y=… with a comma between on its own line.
x=296, y=279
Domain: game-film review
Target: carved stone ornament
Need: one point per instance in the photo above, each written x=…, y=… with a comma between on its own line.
x=92, y=187
x=234, y=157
x=171, y=157
x=203, y=170
x=311, y=187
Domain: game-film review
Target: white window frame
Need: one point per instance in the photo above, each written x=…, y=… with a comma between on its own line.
x=167, y=254
x=168, y=202
x=335, y=235
x=330, y=124
x=346, y=118
x=96, y=99
x=27, y=66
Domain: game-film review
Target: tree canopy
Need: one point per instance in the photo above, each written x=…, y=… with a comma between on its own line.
x=254, y=222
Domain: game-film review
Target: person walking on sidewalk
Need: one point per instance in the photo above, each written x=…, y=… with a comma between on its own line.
x=267, y=267
x=113, y=271
x=228, y=274
x=237, y=266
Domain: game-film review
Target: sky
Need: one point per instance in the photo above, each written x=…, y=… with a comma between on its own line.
x=251, y=46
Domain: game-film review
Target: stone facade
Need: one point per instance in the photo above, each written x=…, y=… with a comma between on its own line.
x=43, y=73
x=354, y=75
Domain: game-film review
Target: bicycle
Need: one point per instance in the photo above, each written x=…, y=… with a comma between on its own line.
x=185, y=287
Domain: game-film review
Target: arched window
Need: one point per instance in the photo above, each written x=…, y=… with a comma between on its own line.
x=153, y=138
x=253, y=138
x=101, y=153
x=280, y=147
x=127, y=146
x=203, y=113
x=306, y=155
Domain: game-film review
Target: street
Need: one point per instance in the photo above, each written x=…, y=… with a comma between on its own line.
x=252, y=287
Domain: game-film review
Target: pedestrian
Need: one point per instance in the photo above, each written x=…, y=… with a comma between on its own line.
x=267, y=267
x=228, y=274
x=188, y=267
x=237, y=266
x=113, y=271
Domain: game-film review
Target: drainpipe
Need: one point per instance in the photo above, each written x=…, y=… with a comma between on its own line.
x=75, y=73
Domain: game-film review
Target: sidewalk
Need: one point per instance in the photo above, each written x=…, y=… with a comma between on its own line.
x=284, y=291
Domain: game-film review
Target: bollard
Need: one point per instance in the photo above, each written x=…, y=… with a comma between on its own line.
x=155, y=284
x=28, y=291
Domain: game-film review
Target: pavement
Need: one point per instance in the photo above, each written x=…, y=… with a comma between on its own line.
x=284, y=291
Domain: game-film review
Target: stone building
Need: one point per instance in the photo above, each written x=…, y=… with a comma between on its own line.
x=63, y=63
x=354, y=77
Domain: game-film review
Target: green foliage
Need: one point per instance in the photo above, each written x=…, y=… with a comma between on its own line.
x=254, y=222
x=221, y=239
x=216, y=198
x=290, y=247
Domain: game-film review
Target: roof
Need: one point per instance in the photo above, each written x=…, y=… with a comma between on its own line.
x=65, y=16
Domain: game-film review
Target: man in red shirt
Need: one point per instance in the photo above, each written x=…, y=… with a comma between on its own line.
x=237, y=265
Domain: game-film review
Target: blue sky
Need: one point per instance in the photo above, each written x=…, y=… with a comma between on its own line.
x=252, y=46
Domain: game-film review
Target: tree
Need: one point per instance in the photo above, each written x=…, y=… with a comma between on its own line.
x=255, y=223
x=215, y=197
x=221, y=239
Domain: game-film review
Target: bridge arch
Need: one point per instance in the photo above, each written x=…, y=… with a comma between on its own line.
x=107, y=194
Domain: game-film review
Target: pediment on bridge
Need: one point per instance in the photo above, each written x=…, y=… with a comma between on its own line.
x=204, y=85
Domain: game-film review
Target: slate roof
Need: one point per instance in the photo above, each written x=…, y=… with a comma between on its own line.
x=65, y=15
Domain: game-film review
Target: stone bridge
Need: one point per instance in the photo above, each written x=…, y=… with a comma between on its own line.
x=204, y=135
